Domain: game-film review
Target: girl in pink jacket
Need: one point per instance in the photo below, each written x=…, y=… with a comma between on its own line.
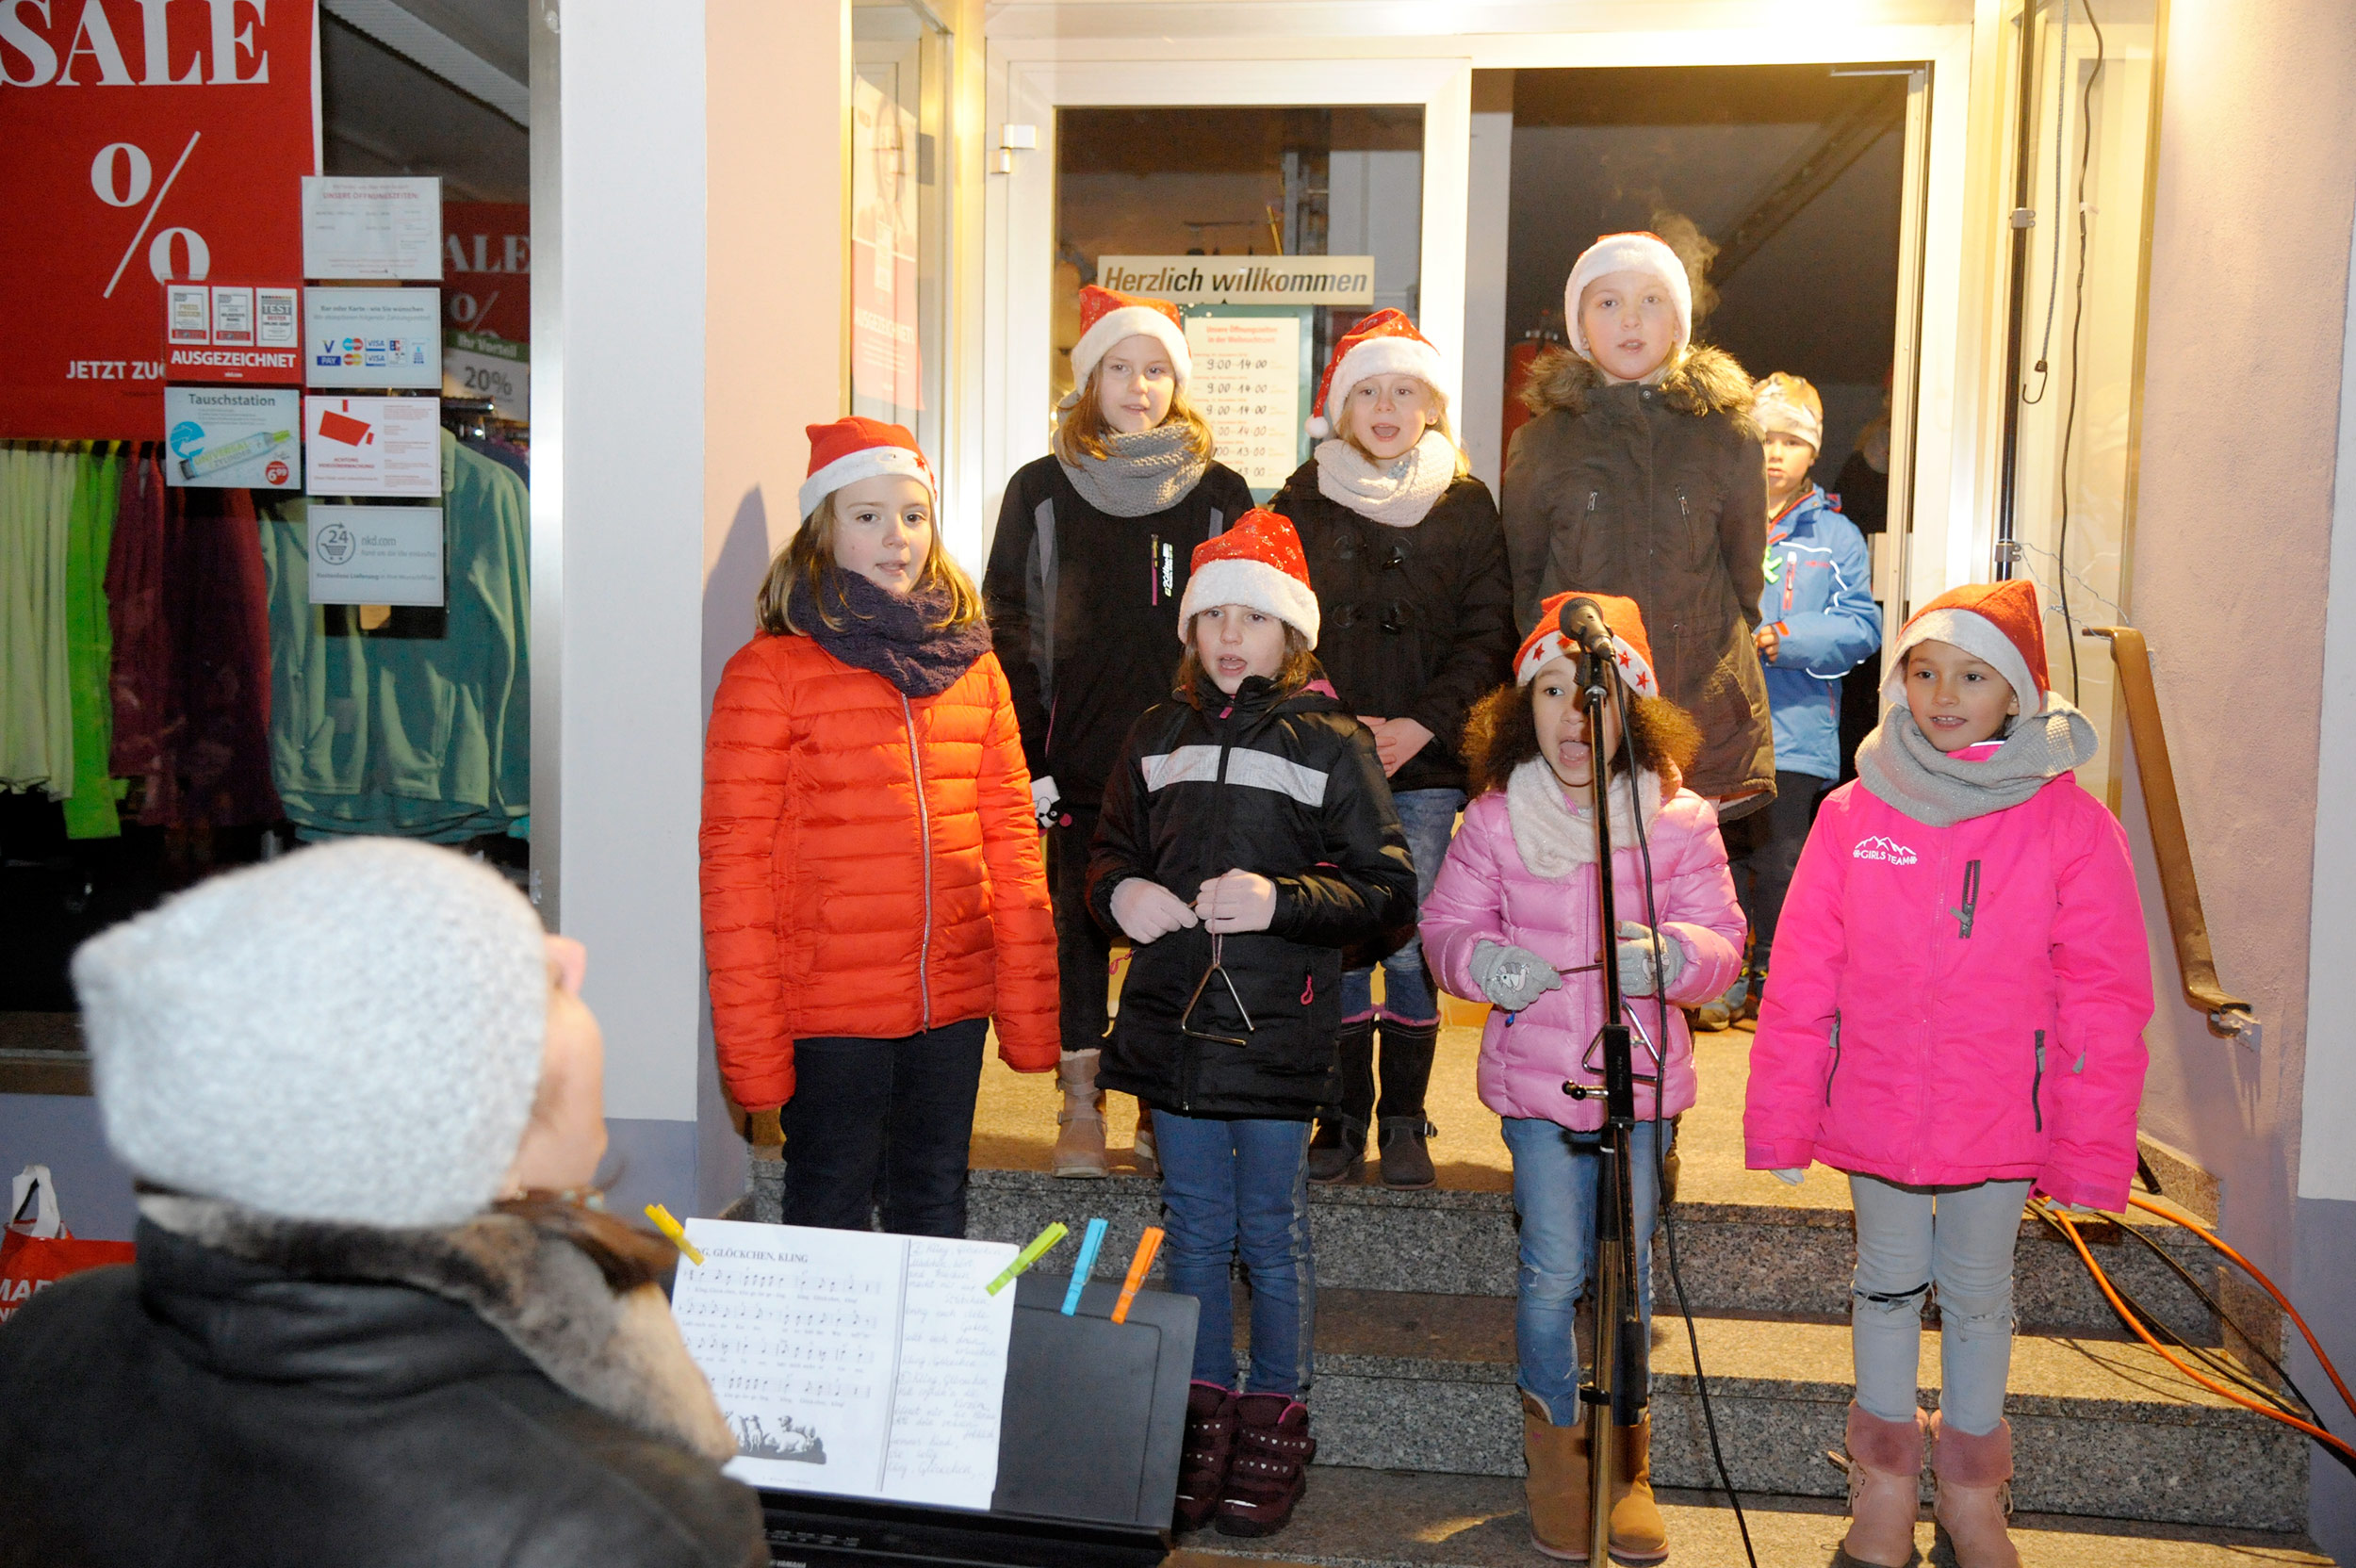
x=1956, y=1017
x=1515, y=916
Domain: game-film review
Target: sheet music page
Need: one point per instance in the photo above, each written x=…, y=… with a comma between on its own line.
x=851, y=1361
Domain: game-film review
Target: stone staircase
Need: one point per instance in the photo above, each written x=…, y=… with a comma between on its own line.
x=1416, y=1374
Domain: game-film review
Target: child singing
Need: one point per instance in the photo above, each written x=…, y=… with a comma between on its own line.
x=1516, y=917
x=873, y=897
x=1248, y=837
x=1961, y=986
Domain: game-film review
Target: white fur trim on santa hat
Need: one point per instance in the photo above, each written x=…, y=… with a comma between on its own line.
x=1239, y=581
x=1626, y=252
x=1635, y=673
x=1129, y=321
x=1975, y=635
x=1379, y=356
x=867, y=462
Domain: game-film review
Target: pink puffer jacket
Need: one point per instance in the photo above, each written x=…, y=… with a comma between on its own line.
x=1957, y=1005
x=1486, y=891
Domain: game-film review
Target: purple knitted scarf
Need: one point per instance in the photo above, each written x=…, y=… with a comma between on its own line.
x=899, y=638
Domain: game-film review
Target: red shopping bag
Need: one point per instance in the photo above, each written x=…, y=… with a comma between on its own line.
x=35, y=1253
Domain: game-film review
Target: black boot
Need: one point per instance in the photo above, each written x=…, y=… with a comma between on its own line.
x=1338, y=1152
x=1407, y=1052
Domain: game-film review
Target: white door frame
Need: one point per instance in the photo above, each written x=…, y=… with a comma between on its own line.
x=1037, y=63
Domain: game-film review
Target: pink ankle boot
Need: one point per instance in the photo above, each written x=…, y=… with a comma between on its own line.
x=1884, y=1489
x=1974, y=1493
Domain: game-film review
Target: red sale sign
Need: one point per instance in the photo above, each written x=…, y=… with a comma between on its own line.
x=149, y=142
x=486, y=268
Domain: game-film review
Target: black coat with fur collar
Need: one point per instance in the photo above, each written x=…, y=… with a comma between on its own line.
x=266, y=1392
x=1659, y=493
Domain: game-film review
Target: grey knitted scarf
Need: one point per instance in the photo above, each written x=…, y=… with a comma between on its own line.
x=1900, y=766
x=1144, y=473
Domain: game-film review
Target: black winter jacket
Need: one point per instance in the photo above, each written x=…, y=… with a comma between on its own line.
x=265, y=1392
x=1417, y=622
x=1287, y=787
x=1657, y=494
x=1084, y=613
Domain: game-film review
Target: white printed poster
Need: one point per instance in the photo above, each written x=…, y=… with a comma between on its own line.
x=233, y=437
x=376, y=554
x=372, y=446
x=371, y=337
x=481, y=365
x=1246, y=384
x=372, y=226
x=852, y=1362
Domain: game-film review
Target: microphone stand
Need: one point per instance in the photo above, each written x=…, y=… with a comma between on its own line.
x=1616, y=1390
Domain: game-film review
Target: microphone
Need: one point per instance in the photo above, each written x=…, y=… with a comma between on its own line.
x=1583, y=628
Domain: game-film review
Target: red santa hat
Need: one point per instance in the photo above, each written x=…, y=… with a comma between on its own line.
x=1998, y=623
x=1633, y=648
x=1258, y=563
x=852, y=449
x=1638, y=251
x=1384, y=344
x=1107, y=317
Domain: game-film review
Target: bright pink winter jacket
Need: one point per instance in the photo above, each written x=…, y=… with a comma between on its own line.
x=1485, y=891
x=1957, y=1005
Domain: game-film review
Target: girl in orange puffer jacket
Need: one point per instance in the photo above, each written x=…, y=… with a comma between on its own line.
x=873, y=893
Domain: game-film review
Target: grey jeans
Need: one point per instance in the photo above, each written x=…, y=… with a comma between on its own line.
x=1959, y=1239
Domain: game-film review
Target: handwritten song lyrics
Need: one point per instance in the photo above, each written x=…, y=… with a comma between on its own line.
x=1246, y=384
x=847, y=1361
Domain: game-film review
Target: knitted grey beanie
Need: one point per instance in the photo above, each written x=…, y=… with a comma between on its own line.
x=350, y=1033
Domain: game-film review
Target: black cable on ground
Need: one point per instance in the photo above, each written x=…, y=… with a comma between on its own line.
x=1660, y=1084
x=2225, y=1318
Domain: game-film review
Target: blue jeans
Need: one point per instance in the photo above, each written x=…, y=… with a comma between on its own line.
x=1229, y=1183
x=1556, y=1174
x=1429, y=819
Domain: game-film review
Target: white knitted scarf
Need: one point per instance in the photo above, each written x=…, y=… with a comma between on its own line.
x=1554, y=838
x=1397, y=493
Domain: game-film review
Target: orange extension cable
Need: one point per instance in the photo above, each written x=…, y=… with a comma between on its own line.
x=2055, y=1213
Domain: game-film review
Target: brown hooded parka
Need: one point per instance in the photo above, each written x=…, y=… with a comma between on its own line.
x=1657, y=492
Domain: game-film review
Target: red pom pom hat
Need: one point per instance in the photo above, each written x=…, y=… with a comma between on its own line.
x=1258, y=563
x=1108, y=317
x=1383, y=344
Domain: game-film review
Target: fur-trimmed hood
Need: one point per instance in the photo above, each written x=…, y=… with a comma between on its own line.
x=1703, y=380
x=621, y=1354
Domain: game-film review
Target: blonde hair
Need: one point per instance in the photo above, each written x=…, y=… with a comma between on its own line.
x=809, y=556
x=1301, y=666
x=1339, y=418
x=1082, y=430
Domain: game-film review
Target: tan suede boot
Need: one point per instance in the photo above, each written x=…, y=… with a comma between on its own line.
x=1557, y=1484
x=1884, y=1489
x=1080, y=1125
x=1638, y=1534
x=1142, y=1151
x=1973, y=1476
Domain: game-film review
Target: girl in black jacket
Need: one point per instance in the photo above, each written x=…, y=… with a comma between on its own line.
x=1408, y=560
x=1247, y=837
x=1085, y=576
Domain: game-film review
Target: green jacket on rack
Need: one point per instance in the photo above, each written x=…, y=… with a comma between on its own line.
x=424, y=738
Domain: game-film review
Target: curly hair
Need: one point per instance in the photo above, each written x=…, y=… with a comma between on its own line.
x=1502, y=734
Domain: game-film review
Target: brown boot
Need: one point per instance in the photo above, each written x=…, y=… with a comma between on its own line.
x=1638, y=1534
x=1974, y=1493
x=1080, y=1125
x=1557, y=1484
x=1884, y=1489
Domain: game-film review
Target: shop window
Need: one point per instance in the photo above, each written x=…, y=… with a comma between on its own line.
x=899, y=211
x=1140, y=193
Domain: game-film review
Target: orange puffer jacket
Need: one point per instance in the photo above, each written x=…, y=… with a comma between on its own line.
x=871, y=865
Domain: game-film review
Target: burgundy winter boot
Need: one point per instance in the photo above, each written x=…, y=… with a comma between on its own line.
x=1271, y=1467
x=1203, y=1458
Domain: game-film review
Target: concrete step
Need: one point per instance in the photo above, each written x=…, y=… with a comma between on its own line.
x=2101, y=1428
x=1778, y=1259
x=1356, y=1518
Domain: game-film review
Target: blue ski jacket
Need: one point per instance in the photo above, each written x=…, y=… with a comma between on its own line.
x=1820, y=600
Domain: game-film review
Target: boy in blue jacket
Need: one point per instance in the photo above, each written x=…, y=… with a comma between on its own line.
x=1818, y=620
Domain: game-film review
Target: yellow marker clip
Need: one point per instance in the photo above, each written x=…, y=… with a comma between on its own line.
x=1029, y=1255
x=673, y=1229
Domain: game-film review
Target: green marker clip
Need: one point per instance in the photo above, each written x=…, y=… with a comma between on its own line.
x=1029, y=1255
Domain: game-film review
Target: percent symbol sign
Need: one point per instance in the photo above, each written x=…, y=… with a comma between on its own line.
x=159, y=262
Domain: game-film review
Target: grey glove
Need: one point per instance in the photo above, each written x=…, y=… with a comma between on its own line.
x=1635, y=953
x=1791, y=1176
x=1513, y=977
